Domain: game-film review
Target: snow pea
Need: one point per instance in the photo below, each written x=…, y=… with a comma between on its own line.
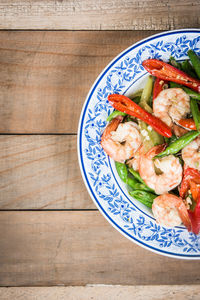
x=179, y=144
x=144, y=197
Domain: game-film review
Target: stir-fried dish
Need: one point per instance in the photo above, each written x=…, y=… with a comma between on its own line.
x=154, y=138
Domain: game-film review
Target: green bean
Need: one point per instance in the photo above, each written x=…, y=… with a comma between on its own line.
x=135, y=185
x=188, y=91
x=114, y=114
x=188, y=69
x=144, y=197
x=195, y=113
x=170, y=140
x=179, y=144
x=139, y=178
x=122, y=171
x=195, y=61
x=174, y=63
x=130, y=181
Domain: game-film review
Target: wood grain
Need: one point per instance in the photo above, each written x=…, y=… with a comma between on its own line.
x=41, y=172
x=78, y=248
x=45, y=76
x=172, y=292
x=99, y=15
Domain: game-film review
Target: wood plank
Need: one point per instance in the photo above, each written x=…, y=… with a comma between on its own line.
x=172, y=292
x=101, y=15
x=79, y=248
x=41, y=172
x=45, y=76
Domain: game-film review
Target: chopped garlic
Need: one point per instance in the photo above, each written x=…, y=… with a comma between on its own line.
x=144, y=132
x=149, y=128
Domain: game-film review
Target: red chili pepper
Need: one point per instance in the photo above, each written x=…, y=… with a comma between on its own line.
x=190, y=174
x=195, y=189
x=158, y=87
x=124, y=104
x=167, y=72
x=195, y=217
x=187, y=123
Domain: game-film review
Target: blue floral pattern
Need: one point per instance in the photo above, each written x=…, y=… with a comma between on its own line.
x=117, y=78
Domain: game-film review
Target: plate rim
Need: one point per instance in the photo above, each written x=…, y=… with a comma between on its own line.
x=90, y=191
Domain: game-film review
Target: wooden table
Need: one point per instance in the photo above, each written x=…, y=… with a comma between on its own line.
x=51, y=234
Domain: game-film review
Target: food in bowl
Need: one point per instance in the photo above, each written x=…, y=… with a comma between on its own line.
x=153, y=137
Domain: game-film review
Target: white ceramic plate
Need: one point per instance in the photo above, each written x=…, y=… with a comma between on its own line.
x=124, y=75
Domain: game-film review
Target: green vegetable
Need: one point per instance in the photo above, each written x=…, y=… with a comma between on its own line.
x=144, y=197
x=174, y=63
x=130, y=181
x=151, y=137
x=166, y=139
x=136, y=99
x=193, y=205
x=188, y=69
x=139, y=178
x=135, y=185
x=146, y=95
x=172, y=139
x=195, y=61
x=136, y=94
x=114, y=114
x=122, y=171
x=195, y=113
x=188, y=91
x=179, y=144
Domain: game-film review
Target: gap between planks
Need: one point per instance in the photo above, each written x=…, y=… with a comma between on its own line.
x=45, y=76
x=79, y=248
x=103, y=292
x=41, y=172
x=101, y=15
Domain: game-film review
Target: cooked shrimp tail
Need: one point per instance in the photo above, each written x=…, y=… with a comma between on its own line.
x=170, y=170
x=170, y=210
x=121, y=141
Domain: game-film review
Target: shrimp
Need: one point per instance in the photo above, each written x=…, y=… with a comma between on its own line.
x=170, y=210
x=134, y=162
x=179, y=131
x=169, y=167
x=171, y=105
x=191, y=154
x=121, y=141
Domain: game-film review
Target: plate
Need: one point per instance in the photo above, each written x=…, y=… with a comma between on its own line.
x=124, y=75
